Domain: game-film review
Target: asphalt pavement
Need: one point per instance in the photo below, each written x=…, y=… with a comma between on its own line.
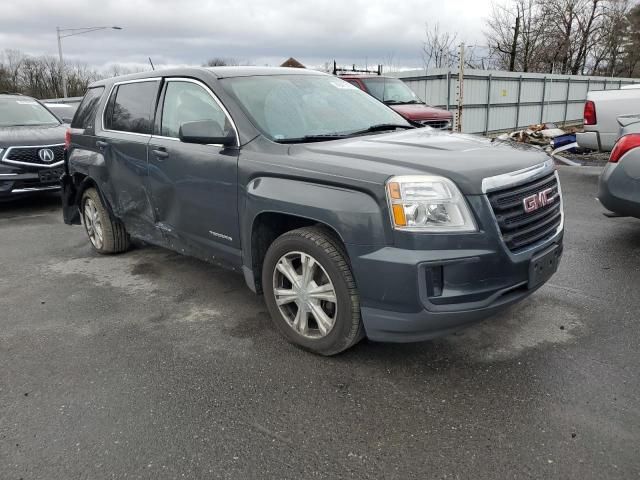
x=152, y=365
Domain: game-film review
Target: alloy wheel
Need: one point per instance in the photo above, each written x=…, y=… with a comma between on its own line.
x=305, y=295
x=93, y=224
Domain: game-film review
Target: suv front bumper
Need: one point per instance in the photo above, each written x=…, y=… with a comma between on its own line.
x=398, y=305
x=428, y=285
x=14, y=185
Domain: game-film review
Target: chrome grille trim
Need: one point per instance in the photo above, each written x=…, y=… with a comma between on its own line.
x=513, y=179
x=5, y=157
x=521, y=231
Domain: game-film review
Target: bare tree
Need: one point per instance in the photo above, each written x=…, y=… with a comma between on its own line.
x=632, y=43
x=515, y=34
x=558, y=36
x=388, y=62
x=12, y=61
x=40, y=76
x=502, y=34
x=221, y=62
x=616, y=48
x=439, y=49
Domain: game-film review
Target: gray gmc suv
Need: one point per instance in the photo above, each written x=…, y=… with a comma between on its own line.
x=349, y=220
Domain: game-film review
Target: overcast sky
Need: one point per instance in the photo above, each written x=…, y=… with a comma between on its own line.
x=260, y=32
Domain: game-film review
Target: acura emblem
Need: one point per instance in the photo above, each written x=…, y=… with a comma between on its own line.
x=538, y=200
x=46, y=155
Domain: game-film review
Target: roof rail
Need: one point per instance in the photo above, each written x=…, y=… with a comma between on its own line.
x=6, y=92
x=337, y=70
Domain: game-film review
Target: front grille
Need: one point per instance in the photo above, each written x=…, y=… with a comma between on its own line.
x=439, y=124
x=30, y=154
x=520, y=230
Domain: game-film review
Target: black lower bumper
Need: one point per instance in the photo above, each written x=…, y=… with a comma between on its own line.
x=410, y=295
x=17, y=182
x=12, y=187
x=386, y=326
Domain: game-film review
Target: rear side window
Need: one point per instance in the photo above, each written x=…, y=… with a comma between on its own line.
x=84, y=117
x=131, y=107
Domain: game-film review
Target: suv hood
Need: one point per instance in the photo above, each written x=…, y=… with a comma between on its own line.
x=465, y=159
x=31, y=135
x=420, y=111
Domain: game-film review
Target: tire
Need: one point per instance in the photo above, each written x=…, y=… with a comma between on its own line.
x=328, y=294
x=106, y=234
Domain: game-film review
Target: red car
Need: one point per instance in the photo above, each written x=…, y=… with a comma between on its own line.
x=397, y=95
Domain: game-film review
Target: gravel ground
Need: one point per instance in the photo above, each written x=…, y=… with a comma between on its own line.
x=150, y=365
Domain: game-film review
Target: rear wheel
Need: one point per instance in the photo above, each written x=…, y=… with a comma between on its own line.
x=106, y=234
x=310, y=291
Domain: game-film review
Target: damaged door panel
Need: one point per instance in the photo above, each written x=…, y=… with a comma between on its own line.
x=127, y=128
x=193, y=186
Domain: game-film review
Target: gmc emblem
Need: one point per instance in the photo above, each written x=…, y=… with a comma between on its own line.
x=538, y=200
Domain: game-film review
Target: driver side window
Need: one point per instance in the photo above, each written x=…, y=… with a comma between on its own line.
x=189, y=102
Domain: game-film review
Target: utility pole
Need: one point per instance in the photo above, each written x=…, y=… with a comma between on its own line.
x=460, y=90
x=69, y=32
x=61, y=65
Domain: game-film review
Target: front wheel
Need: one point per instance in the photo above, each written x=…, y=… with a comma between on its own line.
x=310, y=291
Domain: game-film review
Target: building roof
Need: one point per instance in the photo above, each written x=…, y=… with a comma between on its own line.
x=293, y=63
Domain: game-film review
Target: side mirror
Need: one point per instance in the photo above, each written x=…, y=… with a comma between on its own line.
x=206, y=132
x=67, y=120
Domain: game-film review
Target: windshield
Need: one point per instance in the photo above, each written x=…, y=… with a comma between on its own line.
x=16, y=112
x=287, y=107
x=62, y=110
x=390, y=90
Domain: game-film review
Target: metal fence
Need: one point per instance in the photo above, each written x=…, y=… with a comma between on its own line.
x=496, y=101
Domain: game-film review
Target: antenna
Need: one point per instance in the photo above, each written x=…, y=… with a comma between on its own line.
x=152, y=67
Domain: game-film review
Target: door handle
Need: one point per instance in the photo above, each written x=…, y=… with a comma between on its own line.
x=160, y=153
x=101, y=145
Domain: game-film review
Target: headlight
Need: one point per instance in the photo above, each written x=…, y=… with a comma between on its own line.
x=421, y=203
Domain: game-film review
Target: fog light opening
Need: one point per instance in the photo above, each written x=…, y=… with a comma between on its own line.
x=435, y=281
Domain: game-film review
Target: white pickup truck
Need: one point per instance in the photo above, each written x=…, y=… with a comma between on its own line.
x=601, y=112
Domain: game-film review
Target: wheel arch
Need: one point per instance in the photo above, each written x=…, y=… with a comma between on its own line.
x=266, y=227
x=83, y=183
x=275, y=205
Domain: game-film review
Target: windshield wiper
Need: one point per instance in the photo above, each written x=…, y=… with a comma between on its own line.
x=400, y=102
x=313, y=138
x=381, y=128
x=324, y=137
